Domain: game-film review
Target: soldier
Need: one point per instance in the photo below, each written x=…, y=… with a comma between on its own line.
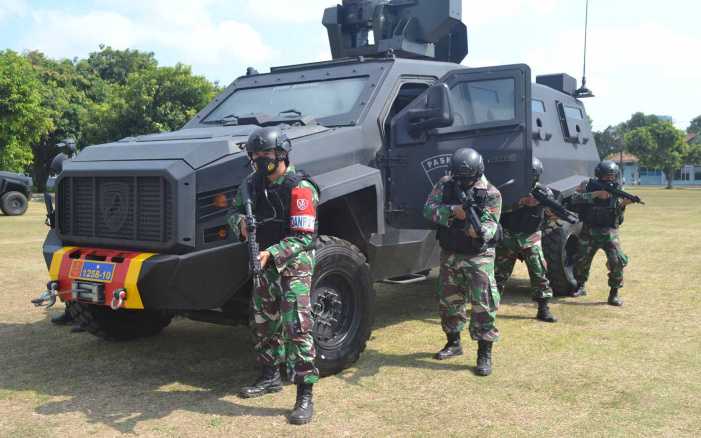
x=602, y=214
x=522, y=239
x=467, y=261
x=281, y=319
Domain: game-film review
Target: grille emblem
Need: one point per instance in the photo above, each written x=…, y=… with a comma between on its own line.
x=115, y=204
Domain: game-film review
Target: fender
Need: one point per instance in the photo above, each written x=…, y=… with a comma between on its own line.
x=344, y=181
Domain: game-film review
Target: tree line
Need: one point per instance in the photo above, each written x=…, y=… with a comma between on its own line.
x=656, y=142
x=107, y=96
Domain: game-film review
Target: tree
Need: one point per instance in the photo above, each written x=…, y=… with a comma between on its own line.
x=23, y=118
x=115, y=66
x=158, y=100
x=640, y=120
x=659, y=145
x=68, y=105
x=610, y=140
x=695, y=126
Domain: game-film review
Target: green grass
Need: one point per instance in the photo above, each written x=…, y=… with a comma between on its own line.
x=600, y=371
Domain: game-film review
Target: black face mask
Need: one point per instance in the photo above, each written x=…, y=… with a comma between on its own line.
x=265, y=165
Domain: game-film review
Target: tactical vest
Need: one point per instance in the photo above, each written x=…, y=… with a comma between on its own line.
x=524, y=219
x=272, y=209
x=603, y=213
x=455, y=237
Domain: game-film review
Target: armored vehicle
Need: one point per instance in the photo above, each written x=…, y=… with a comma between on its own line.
x=15, y=193
x=140, y=229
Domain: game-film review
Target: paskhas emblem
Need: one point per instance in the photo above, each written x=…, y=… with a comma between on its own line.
x=114, y=204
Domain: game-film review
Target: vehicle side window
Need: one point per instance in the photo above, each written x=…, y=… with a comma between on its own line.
x=573, y=123
x=537, y=106
x=407, y=93
x=483, y=102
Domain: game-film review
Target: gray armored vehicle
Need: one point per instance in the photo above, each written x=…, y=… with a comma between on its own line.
x=15, y=193
x=140, y=230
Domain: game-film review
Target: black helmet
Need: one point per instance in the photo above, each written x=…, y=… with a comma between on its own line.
x=268, y=139
x=606, y=168
x=467, y=165
x=537, y=166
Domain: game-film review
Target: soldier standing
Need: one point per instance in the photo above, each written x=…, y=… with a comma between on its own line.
x=522, y=239
x=467, y=260
x=602, y=214
x=281, y=319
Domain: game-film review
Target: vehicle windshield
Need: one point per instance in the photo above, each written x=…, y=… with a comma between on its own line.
x=320, y=100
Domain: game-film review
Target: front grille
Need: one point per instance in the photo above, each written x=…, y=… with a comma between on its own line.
x=138, y=208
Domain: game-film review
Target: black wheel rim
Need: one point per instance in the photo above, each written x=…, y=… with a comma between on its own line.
x=335, y=310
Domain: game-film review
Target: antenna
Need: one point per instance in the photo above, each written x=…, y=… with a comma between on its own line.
x=583, y=91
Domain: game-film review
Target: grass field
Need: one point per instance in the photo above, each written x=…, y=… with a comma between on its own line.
x=600, y=371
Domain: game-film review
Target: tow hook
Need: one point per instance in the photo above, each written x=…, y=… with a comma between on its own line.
x=118, y=298
x=48, y=296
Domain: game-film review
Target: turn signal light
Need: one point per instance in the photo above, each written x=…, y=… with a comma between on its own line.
x=220, y=201
x=222, y=233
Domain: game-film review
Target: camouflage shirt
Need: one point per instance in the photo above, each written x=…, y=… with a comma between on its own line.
x=439, y=213
x=300, y=239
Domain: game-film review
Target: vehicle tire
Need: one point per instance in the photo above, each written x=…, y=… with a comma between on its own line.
x=560, y=242
x=119, y=325
x=14, y=203
x=343, y=301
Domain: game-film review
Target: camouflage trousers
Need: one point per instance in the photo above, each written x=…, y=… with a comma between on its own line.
x=529, y=249
x=281, y=320
x=470, y=278
x=590, y=241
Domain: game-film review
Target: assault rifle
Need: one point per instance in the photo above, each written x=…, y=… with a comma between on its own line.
x=470, y=207
x=613, y=189
x=542, y=195
x=251, y=225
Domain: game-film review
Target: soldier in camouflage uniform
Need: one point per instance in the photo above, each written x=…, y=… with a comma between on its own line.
x=522, y=239
x=284, y=204
x=467, y=260
x=602, y=214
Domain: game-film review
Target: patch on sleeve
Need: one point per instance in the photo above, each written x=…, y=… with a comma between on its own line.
x=302, y=210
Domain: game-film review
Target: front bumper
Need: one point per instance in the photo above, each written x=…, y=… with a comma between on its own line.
x=199, y=280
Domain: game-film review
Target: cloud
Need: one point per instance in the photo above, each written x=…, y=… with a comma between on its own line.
x=298, y=11
x=190, y=32
x=483, y=13
x=12, y=8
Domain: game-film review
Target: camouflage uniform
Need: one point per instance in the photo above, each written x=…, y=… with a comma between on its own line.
x=528, y=248
x=592, y=238
x=466, y=277
x=281, y=318
x=525, y=245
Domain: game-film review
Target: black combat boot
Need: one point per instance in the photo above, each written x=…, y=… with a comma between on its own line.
x=580, y=291
x=63, y=319
x=484, y=358
x=544, y=313
x=304, y=406
x=452, y=347
x=613, y=298
x=268, y=382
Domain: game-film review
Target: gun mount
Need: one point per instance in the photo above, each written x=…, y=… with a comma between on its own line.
x=409, y=28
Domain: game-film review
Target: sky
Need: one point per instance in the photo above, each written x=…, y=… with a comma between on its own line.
x=644, y=55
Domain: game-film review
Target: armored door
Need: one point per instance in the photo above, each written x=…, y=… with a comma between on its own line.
x=490, y=111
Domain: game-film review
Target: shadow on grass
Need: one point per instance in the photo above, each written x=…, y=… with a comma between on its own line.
x=373, y=361
x=189, y=367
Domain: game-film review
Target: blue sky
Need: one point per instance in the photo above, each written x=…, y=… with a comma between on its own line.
x=643, y=55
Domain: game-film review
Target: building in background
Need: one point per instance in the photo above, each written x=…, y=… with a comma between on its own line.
x=634, y=174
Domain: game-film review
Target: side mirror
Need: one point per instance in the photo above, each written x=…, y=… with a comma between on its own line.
x=438, y=112
x=57, y=163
